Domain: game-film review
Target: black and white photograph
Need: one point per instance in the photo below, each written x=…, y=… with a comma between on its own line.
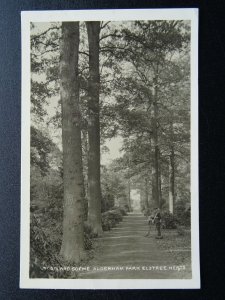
x=109, y=186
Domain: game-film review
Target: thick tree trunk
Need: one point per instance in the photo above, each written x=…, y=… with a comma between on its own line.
x=94, y=203
x=72, y=248
x=171, y=181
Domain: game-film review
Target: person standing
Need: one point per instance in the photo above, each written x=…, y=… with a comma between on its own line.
x=150, y=223
x=158, y=221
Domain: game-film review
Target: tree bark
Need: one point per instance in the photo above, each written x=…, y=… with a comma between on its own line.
x=72, y=248
x=146, y=194
x=155, y=165
x=142, y=197
x=94, y=204
x=160, y=181
x=171, y=181
x=84, y=138
x=129, y=198
x=171, y=169
x=129, y=182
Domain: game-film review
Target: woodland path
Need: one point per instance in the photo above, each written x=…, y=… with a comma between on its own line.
x=126, y=246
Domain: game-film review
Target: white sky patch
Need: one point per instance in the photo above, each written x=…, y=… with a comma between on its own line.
x=114, y=152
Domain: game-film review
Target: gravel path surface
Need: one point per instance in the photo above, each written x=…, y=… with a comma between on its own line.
x=125, y=253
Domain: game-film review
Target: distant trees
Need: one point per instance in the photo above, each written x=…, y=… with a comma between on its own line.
x=114, y=187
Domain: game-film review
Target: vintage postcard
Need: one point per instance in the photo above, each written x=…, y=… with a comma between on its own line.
x=109, y=175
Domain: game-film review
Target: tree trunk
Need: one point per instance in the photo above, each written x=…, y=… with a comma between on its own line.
x=152, y=176
x=72, y=248
x=155, y=165
x=171, y=181
x=171, y=169
x=129, y=182
x=94, y=204
x=146, y=194
x=142, y=197
x=85, y=170
x=160, y=181
x=129, y=198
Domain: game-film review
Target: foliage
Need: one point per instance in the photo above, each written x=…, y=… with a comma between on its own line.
x=107, y=198
x=46, y=229
x=183, y=213
x=168, y=220
x=114, y=190
x=41, y=146
x=42, y=250
x=121, y=210
x=111, y=218
x=106, y=222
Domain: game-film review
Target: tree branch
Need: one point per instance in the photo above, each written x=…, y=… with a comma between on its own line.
x=36, y=36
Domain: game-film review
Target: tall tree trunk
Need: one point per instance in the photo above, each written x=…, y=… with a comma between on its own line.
x=171, y=181
x=151, y=172
x=129, y=182
x=160, y=181
x=171, y=169
x=85, y=170
x=94, y=204
x=72, y=248
x=155, y=165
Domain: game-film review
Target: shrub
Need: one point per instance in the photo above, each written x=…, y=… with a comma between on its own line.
x=115, y=215
x=43, y=250
x=111, y=218
x=88, y=236
x=168, y=220
x=106, y=224
x=120, y=209
x=183, y=213
x=107, y=221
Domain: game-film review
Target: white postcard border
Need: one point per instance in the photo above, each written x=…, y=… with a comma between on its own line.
x=103, y=15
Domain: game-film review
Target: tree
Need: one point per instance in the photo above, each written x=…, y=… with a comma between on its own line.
x=72, y=248
x=154, y=49
x=41, y=145
x=94, y=194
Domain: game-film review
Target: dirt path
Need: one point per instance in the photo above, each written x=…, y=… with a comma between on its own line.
x=125, y=253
